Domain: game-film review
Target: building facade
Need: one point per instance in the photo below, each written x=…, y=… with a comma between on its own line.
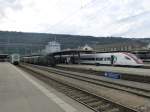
x=86, y=47
x=120, y=47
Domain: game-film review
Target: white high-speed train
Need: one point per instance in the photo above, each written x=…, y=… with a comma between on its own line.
x=119, y=58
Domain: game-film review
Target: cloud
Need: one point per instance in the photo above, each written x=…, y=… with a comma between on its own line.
x=81, y=17
x=12, y=4
x=138, y=26
x=35, y=14
x=108, y=18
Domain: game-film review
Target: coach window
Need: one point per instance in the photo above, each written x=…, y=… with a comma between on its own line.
x=99, y=59
x=92, y=59
x=87, y=58
x=108, y=59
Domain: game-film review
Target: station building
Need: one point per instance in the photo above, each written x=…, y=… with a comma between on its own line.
x=120, y=47
x=53, y=47
x=86, y=48
x=68, y=56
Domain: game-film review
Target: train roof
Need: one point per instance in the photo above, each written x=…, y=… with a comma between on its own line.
x=31, y=55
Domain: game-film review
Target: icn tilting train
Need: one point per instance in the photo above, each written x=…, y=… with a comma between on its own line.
x=120, y=58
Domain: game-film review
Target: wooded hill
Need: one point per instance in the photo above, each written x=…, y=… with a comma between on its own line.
x=21, y=42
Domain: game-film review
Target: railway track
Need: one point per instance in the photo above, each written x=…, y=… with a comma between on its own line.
x=91, y=100
x=124, y=76
x=95, y=80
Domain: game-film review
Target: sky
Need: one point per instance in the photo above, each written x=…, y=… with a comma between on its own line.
x=126, y=18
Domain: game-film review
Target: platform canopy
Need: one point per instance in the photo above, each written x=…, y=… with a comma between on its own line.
x=72, y=51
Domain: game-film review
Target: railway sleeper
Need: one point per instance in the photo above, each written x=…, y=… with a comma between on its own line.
x=66, y=90
x=90, y=100
x=79, y=97
x=70, y=92
x=62, y=86
x=76, y=96
x=83, y=98
x=95, y=104
x=56, y=85
x=113, y=110
x=105, y=107
x=75, y=93
x=98, y=108
x=63, y=89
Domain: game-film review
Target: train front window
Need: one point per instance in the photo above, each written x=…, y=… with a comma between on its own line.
x=127, y=58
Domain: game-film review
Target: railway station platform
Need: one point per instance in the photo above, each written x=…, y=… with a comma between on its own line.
x=21, y=92
x=125, y=70
x=147, y=65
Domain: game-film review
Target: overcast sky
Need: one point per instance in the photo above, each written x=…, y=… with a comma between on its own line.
x=128, y=18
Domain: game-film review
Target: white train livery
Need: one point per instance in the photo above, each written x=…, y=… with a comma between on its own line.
x=120, y=58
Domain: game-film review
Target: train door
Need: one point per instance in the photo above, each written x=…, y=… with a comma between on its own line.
x=112, y=59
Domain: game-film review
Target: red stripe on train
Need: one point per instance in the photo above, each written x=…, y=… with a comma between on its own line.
x=139, y=61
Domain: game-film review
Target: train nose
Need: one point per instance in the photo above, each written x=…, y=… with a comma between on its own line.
x=140, y=61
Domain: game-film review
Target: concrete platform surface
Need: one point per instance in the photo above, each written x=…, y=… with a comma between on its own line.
x=128, y=70
x=19, y=92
